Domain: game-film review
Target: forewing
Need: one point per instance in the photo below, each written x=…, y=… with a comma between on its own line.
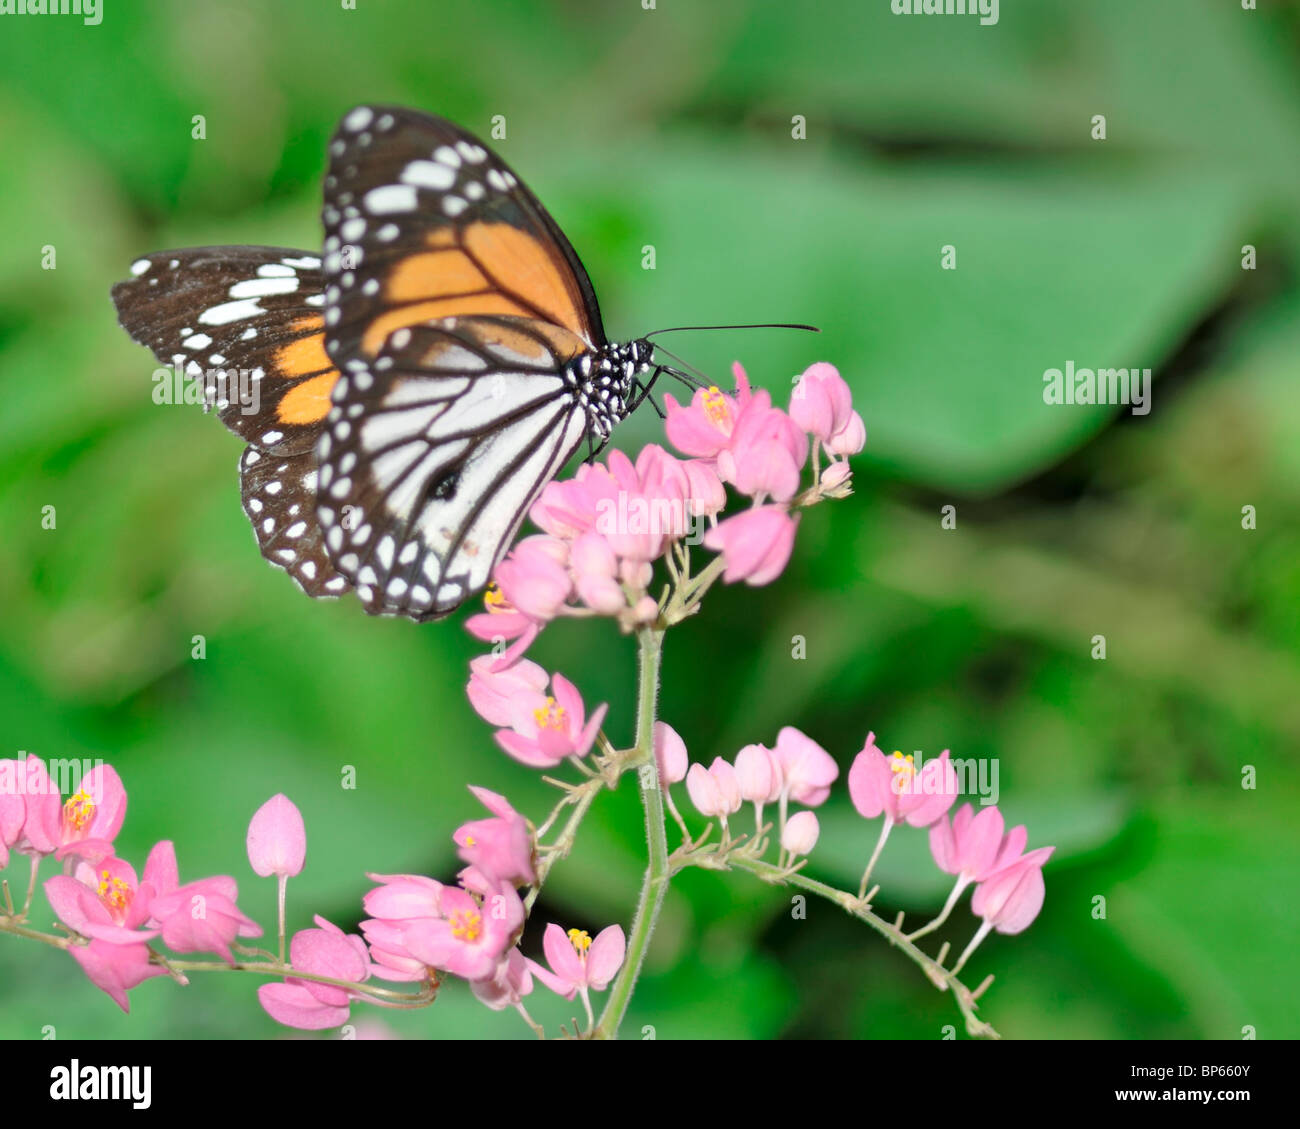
x=423, y=221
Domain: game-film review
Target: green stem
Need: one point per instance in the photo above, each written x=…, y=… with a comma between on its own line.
x=655, y=884
x=938, y=975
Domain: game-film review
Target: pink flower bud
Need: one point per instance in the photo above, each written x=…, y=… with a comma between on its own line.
x=801, y=832
x=850, y=439
x=759, y=777
x=821, y=401
x=277, y=839
x=728, y=784
x=755, y=544
x=1011, y=898
x=808, y=770
x=670, y=754
x=714, y=791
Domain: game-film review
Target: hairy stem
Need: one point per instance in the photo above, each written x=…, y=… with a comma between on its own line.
x=934, y=970
x=655, y=884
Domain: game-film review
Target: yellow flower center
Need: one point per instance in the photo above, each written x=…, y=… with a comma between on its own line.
x=715, y=406
x=494, y=600
x=550, y=716
x=903, y=770
x=466, y=925
x=580, y=940
x=78, y=811
x=115, y=893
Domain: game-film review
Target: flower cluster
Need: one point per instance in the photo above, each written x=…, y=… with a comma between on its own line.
x=112, y=913
x=1008, y=879
x=417, y=927
x=604, y=529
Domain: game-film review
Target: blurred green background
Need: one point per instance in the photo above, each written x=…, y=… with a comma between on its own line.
x=673, y=128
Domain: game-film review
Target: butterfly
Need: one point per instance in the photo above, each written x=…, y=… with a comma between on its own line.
x=407, y=393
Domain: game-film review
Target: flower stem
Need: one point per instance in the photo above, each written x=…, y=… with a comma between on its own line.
x=962, y=883
x=885, y=829
x=933, y=969
x=655, y=884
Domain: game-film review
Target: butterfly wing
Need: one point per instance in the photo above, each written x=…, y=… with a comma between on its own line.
x=436, y=451
x=248, y=322
x=453, y=303
x=423, y=221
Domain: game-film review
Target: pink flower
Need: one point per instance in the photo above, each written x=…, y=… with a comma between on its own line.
x=104, y=902
x=473, y=937
x=766, y=452
x=579, y=963
x=807, y=770
x=399, y=900
x=892, y=785
x=547, y=730
x=502, y=622
x=323, y=951
x=850, y=439
x=403, y=897
x=512, y=982
x=492, y=689
x=715, y=791
x=277, y=839
x=1010, y=899
x=758, y=774
x=821, y=402
x=107, y=905
x=199, y=917
x=534, y=577
x=13, y=808
x=115, y=968
x=670, y=754
x=640, y=508
x=42, y=831
x=596, y=574
x=801, y=833
x=501, y=847
x=707, y=494
x=973, y=846
x=704, y=428
x=755, y=544
x=92, y=816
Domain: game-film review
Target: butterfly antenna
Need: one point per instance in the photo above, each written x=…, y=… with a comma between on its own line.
x=696, y=379
x=770, y=325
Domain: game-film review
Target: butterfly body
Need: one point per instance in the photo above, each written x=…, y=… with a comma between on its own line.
x=420, y=380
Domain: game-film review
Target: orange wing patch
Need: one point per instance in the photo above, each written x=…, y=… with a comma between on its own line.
x=305, y=357
x=490, y=268
x=307, y=354
x=378, y=330
x=436, y=274
x=309, y=402
x=522, y=267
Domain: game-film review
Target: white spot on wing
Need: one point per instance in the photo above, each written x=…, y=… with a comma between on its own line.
x=390, y=198
x=428, y=174
x=227, y=312
x=261, y=287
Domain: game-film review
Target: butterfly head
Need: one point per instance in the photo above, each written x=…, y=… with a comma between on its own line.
x=606, y=382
